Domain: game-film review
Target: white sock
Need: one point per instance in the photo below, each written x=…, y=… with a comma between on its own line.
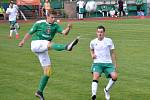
x=81, y=16
x=103, y=14
x=109, y=85
x=107, y=14
x=94, y=88
x=11, y=32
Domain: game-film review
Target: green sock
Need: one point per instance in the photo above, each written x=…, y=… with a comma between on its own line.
x=58, y=47
x=43, y=82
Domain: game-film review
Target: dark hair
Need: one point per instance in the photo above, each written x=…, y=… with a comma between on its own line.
x=101, y=27
x=11, y=1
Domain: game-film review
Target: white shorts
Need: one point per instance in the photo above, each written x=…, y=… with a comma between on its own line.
x=44, y=58
x=39, y=47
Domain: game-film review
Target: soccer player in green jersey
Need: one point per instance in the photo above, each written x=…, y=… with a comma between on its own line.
x=42, y=33
x=104, y=61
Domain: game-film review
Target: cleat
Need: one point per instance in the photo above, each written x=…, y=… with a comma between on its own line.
x=94, y=97
x=72, y=44
x=107, y=95
x=39, y=95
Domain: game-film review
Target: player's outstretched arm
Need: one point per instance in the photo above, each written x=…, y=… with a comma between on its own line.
x=67, y=29
x=26, y=37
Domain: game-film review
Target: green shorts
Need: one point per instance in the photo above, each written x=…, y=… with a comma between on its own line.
x=12, y=22
x=105, y=68
x=81, y=10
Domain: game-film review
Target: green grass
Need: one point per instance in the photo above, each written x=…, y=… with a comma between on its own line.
x=20, y=70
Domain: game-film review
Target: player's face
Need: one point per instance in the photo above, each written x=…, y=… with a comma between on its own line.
x=51, y=19
x=100, y=34
x=12, y=1
x=11, y=5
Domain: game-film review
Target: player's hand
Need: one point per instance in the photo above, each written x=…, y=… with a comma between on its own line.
x=93, y=56
x=70, y=25
x=21, y=43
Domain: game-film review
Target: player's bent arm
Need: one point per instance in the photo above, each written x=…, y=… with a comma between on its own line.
x=113, y=56
x=92, y=53
x=26, y=37
x=67, y=29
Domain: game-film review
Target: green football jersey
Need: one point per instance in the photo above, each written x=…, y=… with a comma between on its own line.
x=42, y=30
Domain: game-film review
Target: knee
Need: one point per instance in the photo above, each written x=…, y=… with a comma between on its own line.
x=12, y=27
x=48, y=71
x=49, y=45
x=114, y=76
x=96, y=76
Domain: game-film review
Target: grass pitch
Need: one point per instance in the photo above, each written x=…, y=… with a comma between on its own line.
x=20, y=70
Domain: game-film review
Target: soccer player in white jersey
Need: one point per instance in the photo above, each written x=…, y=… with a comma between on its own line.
x=81, y=4
x=12, y=13
x=104, y=61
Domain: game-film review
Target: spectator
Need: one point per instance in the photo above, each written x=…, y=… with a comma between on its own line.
x=112, y=13
x=116, y=7
x=104, y=9
x=77, y=10
x=47, y=7
x=2, y=12
x=121, y=12
x=81, y=4
x=139, y=6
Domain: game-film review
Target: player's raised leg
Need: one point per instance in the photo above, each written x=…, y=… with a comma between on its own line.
x=60, y=47
x=72, y=44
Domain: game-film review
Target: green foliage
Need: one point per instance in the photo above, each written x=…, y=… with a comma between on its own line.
x=5, y=1
x=20, y=69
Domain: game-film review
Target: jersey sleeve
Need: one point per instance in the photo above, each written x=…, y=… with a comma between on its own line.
x=33, y=29
x=59, y=29
x=7, y=11
x=112, y=45
x=91, y=45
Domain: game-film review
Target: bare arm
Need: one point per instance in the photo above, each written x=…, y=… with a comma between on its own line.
x=67, y=29
x=26, y=37
x=113, y=56
x=92, y=53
